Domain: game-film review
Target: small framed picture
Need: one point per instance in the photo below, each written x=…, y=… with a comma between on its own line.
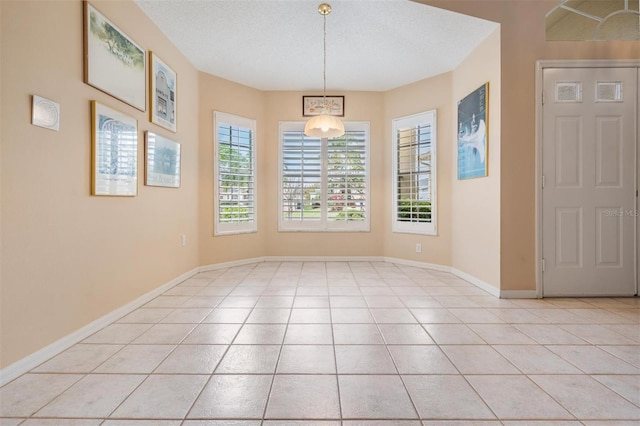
x=45, y=113
x=113, y=62
x=114, y=143
x=315, y=105
x=473, y=128
x=162, y=161
x=163, y=82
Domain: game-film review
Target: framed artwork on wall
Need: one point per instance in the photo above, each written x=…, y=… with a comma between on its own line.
x=163, y=85
x=162, y=161
x=45, y=113
x=473, y=127
x=315, y=105
x=113, y=62
x=114, y=152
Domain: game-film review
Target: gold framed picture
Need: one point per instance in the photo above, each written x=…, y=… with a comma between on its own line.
x=113, y=62
x=114, y=153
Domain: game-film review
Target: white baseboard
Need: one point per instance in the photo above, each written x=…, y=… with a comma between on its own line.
x=494, y=291
x=518, y=294
x=230, y=264
x=418, y=264
x=469, y=278
x=324, y=259
x=30, y=362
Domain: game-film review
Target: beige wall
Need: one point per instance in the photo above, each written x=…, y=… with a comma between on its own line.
x=432, y=93
x=476, y=202
x=69, y=258
x=522, y=43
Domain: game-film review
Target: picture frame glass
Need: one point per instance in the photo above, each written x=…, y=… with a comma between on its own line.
x=114, y=151
x=162, y=161
x=163, y=93
x=315, y=105
x=473, y=143
x=114, y=63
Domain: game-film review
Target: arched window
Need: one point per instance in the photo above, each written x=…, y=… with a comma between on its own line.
x=594, y=20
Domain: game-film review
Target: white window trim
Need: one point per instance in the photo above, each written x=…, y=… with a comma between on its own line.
x=323, y=225
x=234, y=228
x=403, y=123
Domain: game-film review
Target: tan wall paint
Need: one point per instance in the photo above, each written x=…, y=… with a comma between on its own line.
x=522, y=43
x=359, y=106
x=217, y=94
x=67, y=257
x=476, y=202
x=432, y=93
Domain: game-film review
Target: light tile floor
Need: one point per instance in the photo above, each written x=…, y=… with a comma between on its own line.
x=342, y=343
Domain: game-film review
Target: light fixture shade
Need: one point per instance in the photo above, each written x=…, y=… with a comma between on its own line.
x=324, y=126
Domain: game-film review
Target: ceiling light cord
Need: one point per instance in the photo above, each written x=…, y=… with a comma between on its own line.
x=324, y=125
x=324, y=61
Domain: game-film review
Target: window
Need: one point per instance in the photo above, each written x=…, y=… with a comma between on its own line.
x=235, y=174
x=324, y=184
x=414, y=174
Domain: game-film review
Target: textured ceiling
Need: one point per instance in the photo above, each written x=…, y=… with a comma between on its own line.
x=372, y=45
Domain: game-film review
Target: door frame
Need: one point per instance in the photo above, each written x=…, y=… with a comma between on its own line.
x=541, y=65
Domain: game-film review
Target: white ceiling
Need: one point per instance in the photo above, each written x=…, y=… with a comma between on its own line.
x=372, y=45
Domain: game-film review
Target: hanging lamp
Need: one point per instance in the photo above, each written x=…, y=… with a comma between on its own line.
x=324, y=125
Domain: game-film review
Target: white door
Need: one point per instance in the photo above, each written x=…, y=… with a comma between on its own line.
x=589, y=160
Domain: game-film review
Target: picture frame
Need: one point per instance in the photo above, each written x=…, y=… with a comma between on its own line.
x=314, y=105
x=113, y=62
x=162, y=161
x=473, y=134
x=163, y=82
x=114, y=152
x=45, y=113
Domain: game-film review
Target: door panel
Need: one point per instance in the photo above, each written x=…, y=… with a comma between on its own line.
x=569, y=237
x=568, y=148
x=589, y=158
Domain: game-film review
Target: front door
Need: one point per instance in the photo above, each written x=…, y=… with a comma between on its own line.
x=589, y=161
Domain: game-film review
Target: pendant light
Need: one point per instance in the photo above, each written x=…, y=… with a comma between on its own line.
x=324, y=125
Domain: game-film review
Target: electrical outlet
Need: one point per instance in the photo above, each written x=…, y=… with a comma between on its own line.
x=183, y=240
x=418, y=248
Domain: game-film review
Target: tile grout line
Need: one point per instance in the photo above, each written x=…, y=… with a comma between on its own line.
x=186, y=416
x=284, y=336
x=149, y=375
x=386, y=346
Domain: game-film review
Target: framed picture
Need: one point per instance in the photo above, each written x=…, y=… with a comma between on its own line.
x=473, y=127
x=113, y=62
x=315, y=105
x=45, y=113
x=162, y=161
x=162, y=102
x=114, y=146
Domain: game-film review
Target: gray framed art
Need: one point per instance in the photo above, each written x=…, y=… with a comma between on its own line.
x=162, y=97
x=162, y=161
